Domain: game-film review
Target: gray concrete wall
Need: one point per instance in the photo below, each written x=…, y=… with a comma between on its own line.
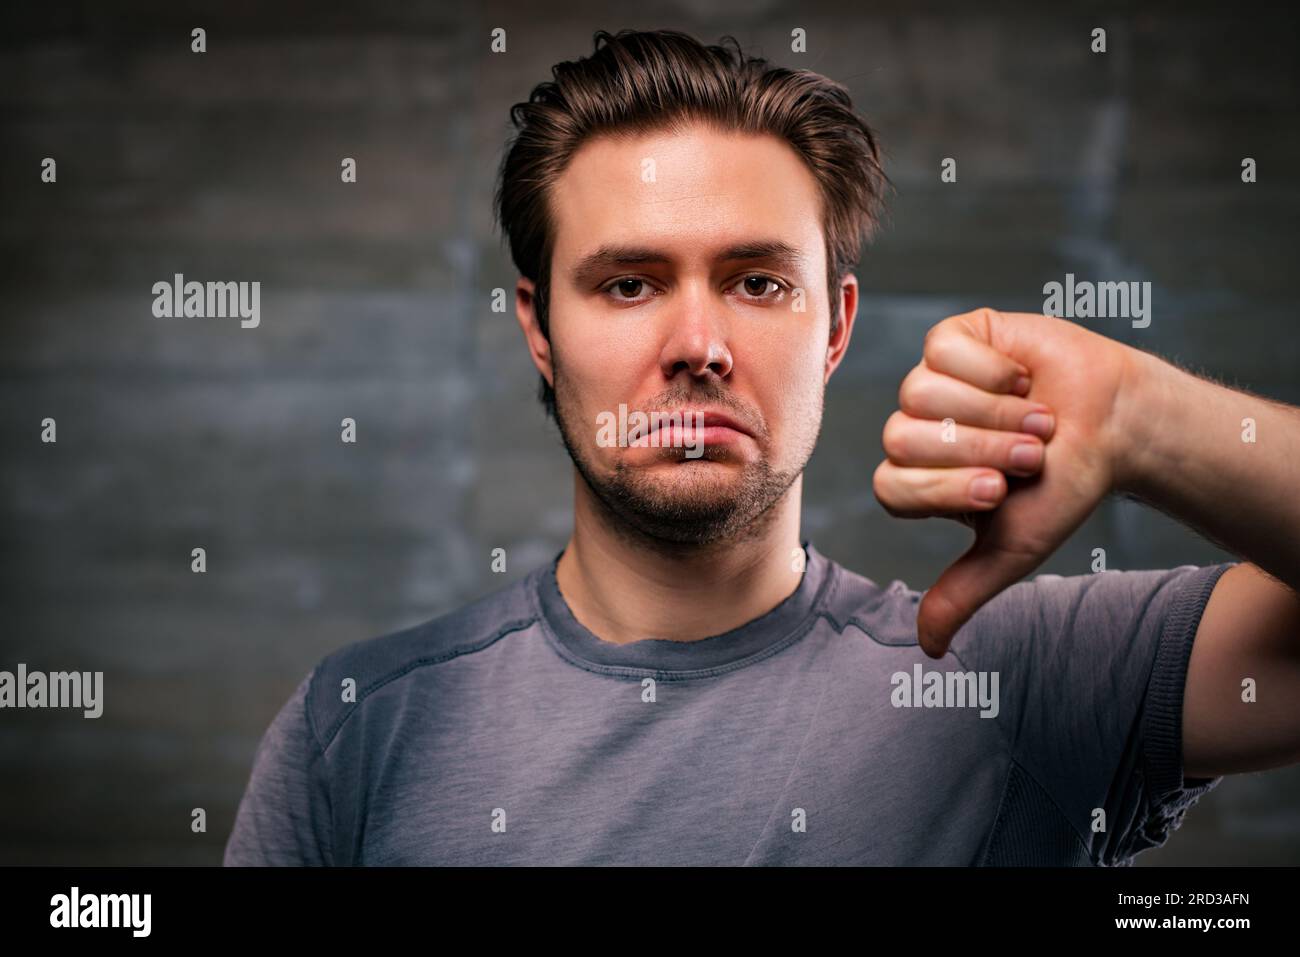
x=374, y=305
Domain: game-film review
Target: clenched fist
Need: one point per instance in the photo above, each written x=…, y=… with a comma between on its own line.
x=1014, y=424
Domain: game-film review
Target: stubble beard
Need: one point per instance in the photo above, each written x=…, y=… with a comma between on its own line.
x=711, y=507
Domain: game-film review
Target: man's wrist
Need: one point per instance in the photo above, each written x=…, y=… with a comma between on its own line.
x=1192, y=448
x=1153, y=398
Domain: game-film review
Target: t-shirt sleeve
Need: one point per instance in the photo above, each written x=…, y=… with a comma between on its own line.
x=1092, y=674
x=284, y=815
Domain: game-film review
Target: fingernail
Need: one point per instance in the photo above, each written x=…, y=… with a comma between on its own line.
x=985, y=489
x=1026, y=456
x=1022, y=385
x=1038, y=423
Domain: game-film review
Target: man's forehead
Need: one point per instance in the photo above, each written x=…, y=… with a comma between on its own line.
x=661, y=197
x=668, y=165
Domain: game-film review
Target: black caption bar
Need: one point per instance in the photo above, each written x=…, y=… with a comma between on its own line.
x=136, y=906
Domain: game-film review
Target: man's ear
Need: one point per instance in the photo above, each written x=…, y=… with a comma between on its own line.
x=526, y=312
x=838, y=343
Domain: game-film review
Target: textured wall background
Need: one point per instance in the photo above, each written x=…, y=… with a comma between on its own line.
x=375, y=304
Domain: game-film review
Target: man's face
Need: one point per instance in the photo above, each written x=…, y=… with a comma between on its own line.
x=668, y=293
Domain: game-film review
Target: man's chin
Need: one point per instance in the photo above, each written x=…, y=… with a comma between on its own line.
x=697, y=504
x=685, y=522
x=681, y=486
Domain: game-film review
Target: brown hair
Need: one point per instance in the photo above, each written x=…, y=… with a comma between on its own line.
x=642, y=81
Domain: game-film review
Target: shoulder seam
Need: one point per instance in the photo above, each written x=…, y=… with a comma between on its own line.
x=421, y=662
x=324, y=763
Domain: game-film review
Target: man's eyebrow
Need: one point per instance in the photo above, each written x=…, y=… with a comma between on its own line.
x=772, y=250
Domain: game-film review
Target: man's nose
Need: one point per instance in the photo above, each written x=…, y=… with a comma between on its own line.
x=699, y=338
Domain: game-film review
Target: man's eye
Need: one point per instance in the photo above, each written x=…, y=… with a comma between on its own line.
x=631, y=289
x=757, y=286
x=628, y=288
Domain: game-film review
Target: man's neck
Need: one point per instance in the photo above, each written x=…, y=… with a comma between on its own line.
x=622, y=591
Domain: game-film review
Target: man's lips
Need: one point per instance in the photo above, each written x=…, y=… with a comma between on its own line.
x=691, y=426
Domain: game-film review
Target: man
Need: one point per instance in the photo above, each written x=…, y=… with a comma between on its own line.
x=688, y=683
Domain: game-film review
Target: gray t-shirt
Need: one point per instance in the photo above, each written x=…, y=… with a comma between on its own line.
x=507, y=733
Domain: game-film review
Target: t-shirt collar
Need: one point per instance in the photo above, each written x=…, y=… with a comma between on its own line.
x=752, y=641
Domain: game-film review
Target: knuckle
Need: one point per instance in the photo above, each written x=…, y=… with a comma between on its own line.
x=893, y=438
x=938, y=347
x=880, y=486
x=979, y=448
x=911, y=390
x=936, y=489
x=878, y=479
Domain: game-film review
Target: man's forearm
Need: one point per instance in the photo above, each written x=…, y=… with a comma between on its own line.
x=1224, y=462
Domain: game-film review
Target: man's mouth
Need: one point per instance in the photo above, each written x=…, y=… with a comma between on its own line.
x=693, y=427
